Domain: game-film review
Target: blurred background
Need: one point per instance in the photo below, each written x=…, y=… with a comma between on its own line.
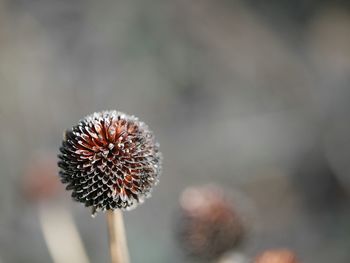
x=249, y=94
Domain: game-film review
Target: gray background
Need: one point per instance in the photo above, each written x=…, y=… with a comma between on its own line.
x=253, y=95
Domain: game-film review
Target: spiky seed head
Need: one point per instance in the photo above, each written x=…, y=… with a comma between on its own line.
x=209, y=224
x=109, y=160
x=277, y=256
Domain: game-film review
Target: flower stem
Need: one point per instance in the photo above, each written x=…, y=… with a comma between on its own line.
x=117, y=238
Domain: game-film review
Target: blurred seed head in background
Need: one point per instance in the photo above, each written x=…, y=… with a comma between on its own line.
x=40, y=181
x=209, y=224
x=277, y=256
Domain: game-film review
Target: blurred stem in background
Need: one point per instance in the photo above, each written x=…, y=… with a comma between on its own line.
x=61, y=235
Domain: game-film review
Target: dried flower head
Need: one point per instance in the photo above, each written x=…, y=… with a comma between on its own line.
x=277, y=256
x=110, y=160
x=209, y=225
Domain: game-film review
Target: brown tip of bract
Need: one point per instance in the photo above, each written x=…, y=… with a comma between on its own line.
x=110, y=160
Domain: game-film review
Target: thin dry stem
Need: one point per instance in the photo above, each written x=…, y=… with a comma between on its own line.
x=117, y=239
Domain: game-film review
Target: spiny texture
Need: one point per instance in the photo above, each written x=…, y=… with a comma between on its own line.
x=109, y=160
x=209, y=225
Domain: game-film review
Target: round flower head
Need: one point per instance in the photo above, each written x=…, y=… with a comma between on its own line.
x=109, y=160
x=209, y=225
